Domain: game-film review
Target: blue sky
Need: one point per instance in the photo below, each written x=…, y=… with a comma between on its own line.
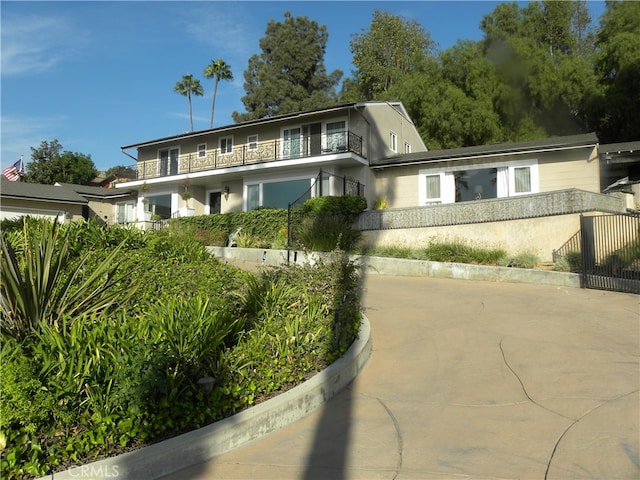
x=99, y=75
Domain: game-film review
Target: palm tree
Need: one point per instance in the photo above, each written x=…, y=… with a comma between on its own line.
x=221, y=70
x=189, y=86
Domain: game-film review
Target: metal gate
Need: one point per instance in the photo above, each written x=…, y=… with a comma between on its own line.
x=611, y=252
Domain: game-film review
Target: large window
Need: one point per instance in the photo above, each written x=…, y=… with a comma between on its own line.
x=277, y=194
x=477, y=182
x=159, y=205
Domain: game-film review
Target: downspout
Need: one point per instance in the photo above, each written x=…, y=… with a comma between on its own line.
x=129, y=155
x=356, y=107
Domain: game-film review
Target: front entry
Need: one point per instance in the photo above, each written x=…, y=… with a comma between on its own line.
x=215, y=201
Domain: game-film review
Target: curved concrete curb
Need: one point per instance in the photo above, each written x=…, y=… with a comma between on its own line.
x=180, y=452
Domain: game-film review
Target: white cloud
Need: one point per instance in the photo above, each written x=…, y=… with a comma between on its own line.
x=19, y=134
x=32, y=44
x=223, y=30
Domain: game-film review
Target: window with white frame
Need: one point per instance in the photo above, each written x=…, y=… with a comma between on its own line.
x=521, y=180
x=393, y=141
x=277, y=194
x=252, y=142
x=226, y=145
x=478, y=182
x=433, y=189
x=407, y=147
x=125, y=212
x=202, y=150
x=337, y=136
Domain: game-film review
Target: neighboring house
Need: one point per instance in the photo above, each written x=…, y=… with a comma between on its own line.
x=269, y=162
x=66, y=202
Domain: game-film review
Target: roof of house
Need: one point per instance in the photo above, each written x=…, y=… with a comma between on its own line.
x=36, y=191
x=59, y=193
x=545, y=144
x=278, y=118
x=96, y=192
x=630, y=147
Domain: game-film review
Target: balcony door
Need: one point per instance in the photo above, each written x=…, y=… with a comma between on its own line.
x=169, y=162
x=312, y=139
x=292, y=143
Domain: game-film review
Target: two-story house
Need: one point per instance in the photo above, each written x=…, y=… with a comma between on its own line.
x=270, y=162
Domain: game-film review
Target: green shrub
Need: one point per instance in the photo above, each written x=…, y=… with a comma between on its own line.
x=349, y=206
x=325, y=233
x=263, y=223
x=523, y=260
x=441, y=251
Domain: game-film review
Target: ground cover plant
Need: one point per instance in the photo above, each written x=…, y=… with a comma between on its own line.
x=88, y=380
x=458, y=251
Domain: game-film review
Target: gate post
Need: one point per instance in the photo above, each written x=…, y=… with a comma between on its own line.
x=587, y=237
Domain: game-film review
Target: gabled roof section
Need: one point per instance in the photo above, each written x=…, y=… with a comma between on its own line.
x=234, y=126
x=95, y=192
x=60, y=192
x=36, y=191
x=509, y=148
x=264, y=121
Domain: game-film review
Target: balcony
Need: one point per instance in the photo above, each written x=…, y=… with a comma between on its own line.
x=252, y=154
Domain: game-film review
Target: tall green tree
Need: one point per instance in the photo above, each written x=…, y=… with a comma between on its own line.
x=392, y=48
x=189, y=87
x=289, y=75
x=49, y=164
x=219, y=70
x=541, y=55
x=618, y=69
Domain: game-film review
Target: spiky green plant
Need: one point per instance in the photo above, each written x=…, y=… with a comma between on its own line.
x=37, y=289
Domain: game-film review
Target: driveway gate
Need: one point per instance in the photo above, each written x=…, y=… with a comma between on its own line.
x=611, y=252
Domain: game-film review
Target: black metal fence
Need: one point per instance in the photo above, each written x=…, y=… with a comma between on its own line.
x=573, y=246
x=611, y=252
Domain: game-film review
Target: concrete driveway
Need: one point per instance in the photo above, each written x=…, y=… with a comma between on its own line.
x=471, y=379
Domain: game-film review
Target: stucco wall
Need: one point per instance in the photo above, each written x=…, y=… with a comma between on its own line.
x=536, y=235
x=12, y=208
x=569, y=169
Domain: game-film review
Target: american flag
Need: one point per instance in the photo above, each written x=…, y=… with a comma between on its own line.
x=14, y=172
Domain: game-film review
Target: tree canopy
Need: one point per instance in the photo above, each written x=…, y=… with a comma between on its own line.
x=218, y=70
x=541, y=69
x=289, y=75
x=392, y=48
x=189, y=87
x=617, y=66
x=50, y=164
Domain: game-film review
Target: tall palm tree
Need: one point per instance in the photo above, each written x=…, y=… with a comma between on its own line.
x=189, y=86
x=221, y=70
